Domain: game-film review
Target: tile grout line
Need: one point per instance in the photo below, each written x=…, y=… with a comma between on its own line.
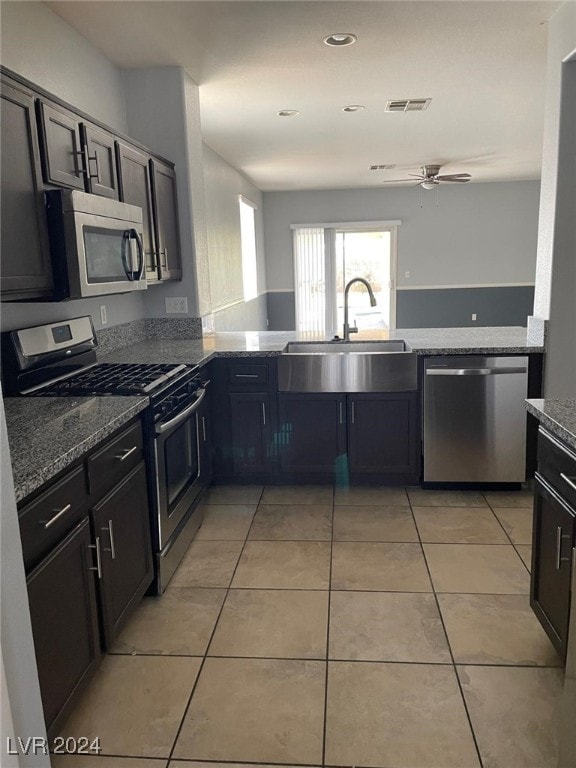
x=507, y=534
x=325, y=723
x=205, y=656
x=458, y=682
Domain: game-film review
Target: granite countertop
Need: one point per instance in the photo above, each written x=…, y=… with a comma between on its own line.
x=436, y=341
x=46, y=434
x=558, y=416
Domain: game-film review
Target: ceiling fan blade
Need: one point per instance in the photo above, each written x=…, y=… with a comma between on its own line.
x=397, y=181
x=454, y=177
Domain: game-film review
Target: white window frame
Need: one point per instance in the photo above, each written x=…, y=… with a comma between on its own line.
x=330, y=229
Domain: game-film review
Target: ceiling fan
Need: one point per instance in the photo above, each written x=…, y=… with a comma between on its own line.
x=430, y=177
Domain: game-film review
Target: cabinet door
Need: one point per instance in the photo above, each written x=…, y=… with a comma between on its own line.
x=312, y=433
x=166, y=220
x=100, y=155
x=552, y=541
x=64, y=623
x=122, y=530
x=62, y=147
x=250, y=418
x=205, y=442
x=26, y=270
x=136, y=189
x=383, y=434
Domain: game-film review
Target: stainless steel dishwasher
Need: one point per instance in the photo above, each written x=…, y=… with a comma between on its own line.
x=475, y=419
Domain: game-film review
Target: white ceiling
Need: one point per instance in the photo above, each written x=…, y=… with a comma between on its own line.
x=482, y=64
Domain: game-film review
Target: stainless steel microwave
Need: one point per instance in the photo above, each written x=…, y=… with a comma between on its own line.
x=95, y=245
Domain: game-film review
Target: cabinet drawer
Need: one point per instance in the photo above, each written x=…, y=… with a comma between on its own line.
x=47, y=519
x=558, y=466
x=247, y=374
x=111, y=463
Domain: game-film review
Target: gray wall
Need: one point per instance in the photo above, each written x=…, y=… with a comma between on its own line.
x=477, y=234
x=39, y=45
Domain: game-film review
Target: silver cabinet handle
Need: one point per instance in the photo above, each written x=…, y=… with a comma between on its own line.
x=98, y=566
x=568, y=480
x=341, y=409
x=204, y=428
x=264, y=414
x=127, y=452
x=245, y=375
x=110, y=531
x=353, y=412
x=57, y=516
x=559, y=558
x=94, y=159
x=472, y=371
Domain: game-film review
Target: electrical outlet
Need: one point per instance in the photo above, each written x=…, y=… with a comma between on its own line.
x=474, y=317
x=406, y=274
x=103, y=314
x=177, y=305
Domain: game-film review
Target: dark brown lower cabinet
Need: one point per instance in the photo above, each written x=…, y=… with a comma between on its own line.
x=311, y=433
x=122, y=535
x=383, y=435
x=64, y=618
x=553, y=537
x=251, y=446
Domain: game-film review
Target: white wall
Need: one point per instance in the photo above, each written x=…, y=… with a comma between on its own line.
x=40, y=46
x=477, y=234
x=555, y=297
x=18, y=659
x=561, y=43
x=223, y=184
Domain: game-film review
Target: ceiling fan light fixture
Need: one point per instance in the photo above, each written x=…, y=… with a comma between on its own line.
x=429, y=184
x=353, y=108
x=340, y=39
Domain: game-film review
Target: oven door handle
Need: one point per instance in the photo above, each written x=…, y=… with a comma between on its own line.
x=177, y=420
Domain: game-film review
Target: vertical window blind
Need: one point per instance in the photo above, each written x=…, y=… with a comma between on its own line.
x=310, y=278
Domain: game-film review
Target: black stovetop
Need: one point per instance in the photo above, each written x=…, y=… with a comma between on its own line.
x=116, y=379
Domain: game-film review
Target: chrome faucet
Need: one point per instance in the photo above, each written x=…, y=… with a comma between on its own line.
x=347, y=329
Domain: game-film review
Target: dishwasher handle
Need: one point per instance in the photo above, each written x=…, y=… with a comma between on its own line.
x=474, y=371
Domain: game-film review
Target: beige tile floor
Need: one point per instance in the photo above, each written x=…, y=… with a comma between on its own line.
x=312, y=626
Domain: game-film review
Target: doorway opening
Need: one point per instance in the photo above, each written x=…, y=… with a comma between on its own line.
x=327, y=257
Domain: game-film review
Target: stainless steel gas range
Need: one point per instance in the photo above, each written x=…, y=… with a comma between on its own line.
x=59, y=360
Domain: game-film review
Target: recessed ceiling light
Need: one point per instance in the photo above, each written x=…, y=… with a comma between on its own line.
x=288, y=113
x=340, y=38
x=353, y=108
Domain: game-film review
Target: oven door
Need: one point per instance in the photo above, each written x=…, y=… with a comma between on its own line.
x=177, y=468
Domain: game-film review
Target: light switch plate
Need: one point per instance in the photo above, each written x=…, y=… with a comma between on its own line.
x=177, y=305
x=103, y=314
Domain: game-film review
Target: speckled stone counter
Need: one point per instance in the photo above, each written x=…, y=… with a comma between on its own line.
x=46, y=434
x=557, y=416
x=435, y=341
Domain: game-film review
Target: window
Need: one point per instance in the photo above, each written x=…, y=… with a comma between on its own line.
x=326, y=257
x=248, y=244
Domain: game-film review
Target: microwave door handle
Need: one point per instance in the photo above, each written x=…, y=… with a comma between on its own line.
x=125, y=253
x=140, y=248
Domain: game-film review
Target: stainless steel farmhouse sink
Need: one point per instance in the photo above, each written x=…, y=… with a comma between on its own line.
x=347, y=366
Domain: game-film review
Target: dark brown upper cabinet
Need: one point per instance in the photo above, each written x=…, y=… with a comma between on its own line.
x=136, y=189
x=100, y=161
x=26, y=269
x=62, y=153
x=166, y=220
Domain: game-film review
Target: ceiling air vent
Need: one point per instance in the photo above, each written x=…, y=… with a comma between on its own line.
x=407, y=105
x=383, y=167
